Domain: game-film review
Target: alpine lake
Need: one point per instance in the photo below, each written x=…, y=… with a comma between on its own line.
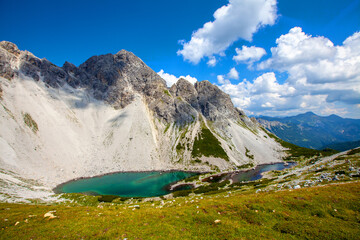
x=151, y=183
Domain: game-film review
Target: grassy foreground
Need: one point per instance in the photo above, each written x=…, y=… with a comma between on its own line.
x=323, y=212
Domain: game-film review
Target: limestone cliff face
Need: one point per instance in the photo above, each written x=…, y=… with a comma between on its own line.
x=8, y=53
x=116, y=78
x=114, y=113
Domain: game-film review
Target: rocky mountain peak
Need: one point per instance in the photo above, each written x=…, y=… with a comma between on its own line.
x=193, y=127
x=214, y=103
x=8, y=54
x=128, y=57
x=118, y=78
x=186, y=90
x=10, y=47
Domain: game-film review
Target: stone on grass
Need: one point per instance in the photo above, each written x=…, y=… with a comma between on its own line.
x=49, y=215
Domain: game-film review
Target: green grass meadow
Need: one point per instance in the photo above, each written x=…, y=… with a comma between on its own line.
x=323, y=212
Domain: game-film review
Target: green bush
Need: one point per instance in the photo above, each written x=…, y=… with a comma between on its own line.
x=180, y=147
x=167, y=92
x=30, y=122
x=182, y=193
x=167, y=127
x=206, y=144
x=248, y=165
x=107, y=198
x=192, y=179
x=214, y=187
x=295, y=152
x=247, y=153
x=354, y=151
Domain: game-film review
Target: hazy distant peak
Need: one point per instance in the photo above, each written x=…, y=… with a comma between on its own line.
x=313, y=131
x=309, y=113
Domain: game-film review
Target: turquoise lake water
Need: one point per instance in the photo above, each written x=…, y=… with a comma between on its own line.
x=151, y=184
x=126, y=184
x=255, y=174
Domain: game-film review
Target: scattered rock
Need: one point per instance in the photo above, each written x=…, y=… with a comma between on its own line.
x=297, y=187
x=217, y=221
x=49, y=215
x=134, y=206
x=17, y=223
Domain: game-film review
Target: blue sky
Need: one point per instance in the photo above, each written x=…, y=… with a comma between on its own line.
x=273, y=57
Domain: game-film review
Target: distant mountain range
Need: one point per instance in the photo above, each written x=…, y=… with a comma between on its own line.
x=316, y=132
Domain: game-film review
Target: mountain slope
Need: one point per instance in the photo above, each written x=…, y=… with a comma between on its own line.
x=113, y=113
x=326, y=212
x=312, y=131
x=343, y=146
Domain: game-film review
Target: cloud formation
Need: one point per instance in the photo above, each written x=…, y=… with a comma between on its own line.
x=265, y=92
x=172, y=79
x=316, y=64
x=233, y=74
x=239, y=19
x=249, y=55
x=322, y=77
x=315, y=58
x=212, y=61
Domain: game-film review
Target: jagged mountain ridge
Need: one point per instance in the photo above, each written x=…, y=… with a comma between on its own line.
x=113, y=78
x=113, y=113
x=312, y=131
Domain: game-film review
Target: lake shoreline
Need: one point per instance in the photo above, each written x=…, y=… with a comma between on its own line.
x=229, y=175
x=58, y=187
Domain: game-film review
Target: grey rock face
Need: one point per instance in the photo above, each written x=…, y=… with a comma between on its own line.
x=34, y=67
x=5, y=68
x=30, y=66
x=214, y=104
x=8, y=53
x=72, y=71
x=10, y=47
x=185, y=90
x=118, y=78
x=53, y=75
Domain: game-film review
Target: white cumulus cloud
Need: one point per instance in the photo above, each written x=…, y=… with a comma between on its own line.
x=316, y=65
x=212, y=61
x=266, y=96
x=233, y=74
x=239, y=19
x=224, y=79
x=172, y=79
x=322, y=77
x=249, y=55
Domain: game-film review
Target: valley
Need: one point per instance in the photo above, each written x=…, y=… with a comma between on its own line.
x=302, y=202
x=113, y=114
x=316, y=132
